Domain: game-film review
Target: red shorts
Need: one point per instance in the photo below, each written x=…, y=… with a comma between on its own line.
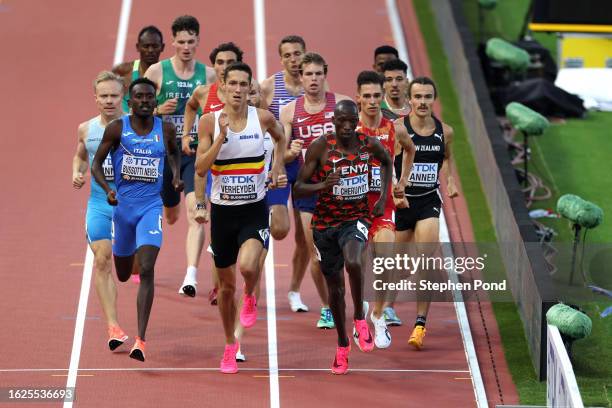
x=384, y=221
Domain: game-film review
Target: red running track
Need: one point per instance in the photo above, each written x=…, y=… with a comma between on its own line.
x=54, y=51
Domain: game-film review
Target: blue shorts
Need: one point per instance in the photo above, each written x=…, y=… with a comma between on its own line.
x=306, y=204
x=98, y=219
x=136, y=222
x=208, y=183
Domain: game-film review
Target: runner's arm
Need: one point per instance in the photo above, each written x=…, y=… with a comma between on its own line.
x=110, y=140
x=386, y=171
x=79, y=161
x=447, y=164
x=295, y=146
x=207, y=149
x=405, y=142
x=314, y=157
x=278, y=135
x=174, y=155
x=191, y=108
x=267, y=92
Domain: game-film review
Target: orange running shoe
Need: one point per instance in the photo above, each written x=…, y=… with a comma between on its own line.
x=417, y=336
x=138, y=351
x=116, y=337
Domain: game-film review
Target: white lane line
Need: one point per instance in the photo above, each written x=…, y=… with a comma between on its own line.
x=260, y=39
x=77, y=340
x=464, y=325
x=398, y=35
x=124, y=20
x=79, y=326
x=262, y=73
x=216, y=369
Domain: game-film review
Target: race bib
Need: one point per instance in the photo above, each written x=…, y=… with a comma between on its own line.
x=178, y=122
x=375, y=183
x=351, y=188
x=136, y=168
x=238, y=187
x=107, y=166
x=424, y=174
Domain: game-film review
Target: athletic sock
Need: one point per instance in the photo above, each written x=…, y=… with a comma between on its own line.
x=192, y=273
x=420, y=321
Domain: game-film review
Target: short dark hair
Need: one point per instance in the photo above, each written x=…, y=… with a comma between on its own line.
x=229, y=46
x=385, y=49
x=186, y=23
x=153, y=30
x=369, y=77
x=141, y=80
x=313, y=58
x=395, y=65
x=423, y=80
x=238, y=66
x=291, y=39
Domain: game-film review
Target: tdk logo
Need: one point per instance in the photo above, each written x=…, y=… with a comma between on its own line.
x=246, y=137
x=238, y=179
x=352, y=181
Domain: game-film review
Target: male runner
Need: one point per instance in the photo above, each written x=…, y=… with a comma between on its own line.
x=207, y=98
x=393, y=138
x=176, y=79
x=232, y=147
x=420, y=222
x=150, y=45
x=108, y=89
x=277, y=91
x=138, y=144
x=305, y=119
x=341, y=160
x=383, y=54
x=396, y=87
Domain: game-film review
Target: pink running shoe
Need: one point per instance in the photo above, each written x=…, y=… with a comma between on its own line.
x=248, y=314
x=136, y=278
x=228, y=363
x=340, y=365
x=362, y=336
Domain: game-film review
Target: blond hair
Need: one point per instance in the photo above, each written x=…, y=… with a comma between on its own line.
x=107, y=76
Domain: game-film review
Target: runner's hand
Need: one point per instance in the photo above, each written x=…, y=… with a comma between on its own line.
x=399, y=196
x=281, y=180
x=295, y=148
x=223, y=123
x=332, y=179
x=167, y=107
x=178, y=185
x=78, y=180
x=185, y=141
x=112, y=198
x=451, y=189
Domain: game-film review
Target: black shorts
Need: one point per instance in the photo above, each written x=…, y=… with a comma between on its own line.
x=330, y=241
x=169, y=196
x=232, y=225
x=421, y=208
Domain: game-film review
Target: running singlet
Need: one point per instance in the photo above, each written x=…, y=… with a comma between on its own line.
x=428, y=159
x=347, y=200
x=238, y=172
x=385, y=133
x=95, y=130
x=385, y=105
x=138, y=162
x=309, y=126
x=213, y=103
x=174, y=87
x=281, y=97
x=135, y=76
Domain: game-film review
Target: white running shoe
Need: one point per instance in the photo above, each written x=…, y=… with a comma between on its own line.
x=295, y=301
x=382, y=337
x=241, y=358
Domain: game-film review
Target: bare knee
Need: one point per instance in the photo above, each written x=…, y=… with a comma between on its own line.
x=102, y=264
x=353, y=264
x=171, y=215
x=279, y=232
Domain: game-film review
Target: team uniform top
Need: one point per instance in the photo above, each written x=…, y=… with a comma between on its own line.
x=385, y=133
x=347, y=200
x=135, y=76
x=95, y=130
x=385, y=105
x=309, y=126
x=428, y=159
x=138, y=162
x=213, y=103
x=281, y=96
x=174, y=87
x=239, y=171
